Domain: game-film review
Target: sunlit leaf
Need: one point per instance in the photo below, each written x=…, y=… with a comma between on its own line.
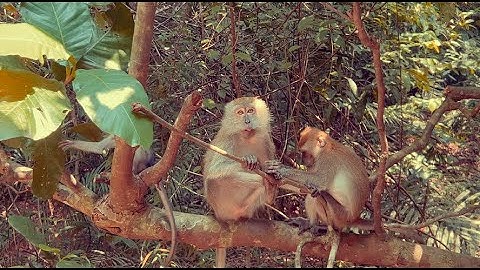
x=305, y=23
x=30, y=105
x=68, y=22
x=107, y=96
x=28, y=41
x=353, y=86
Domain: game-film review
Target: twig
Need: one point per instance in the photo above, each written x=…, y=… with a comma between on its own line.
x=433, y=220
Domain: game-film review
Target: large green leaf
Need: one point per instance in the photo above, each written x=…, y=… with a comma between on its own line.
x=30, y=105
x=106, y=96
x=28, y=41
x=69, y=23
x=48, y=165
x=26, y=227
x=110, y=49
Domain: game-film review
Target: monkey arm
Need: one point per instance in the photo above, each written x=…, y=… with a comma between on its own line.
x=92, y=147
x=306, y=178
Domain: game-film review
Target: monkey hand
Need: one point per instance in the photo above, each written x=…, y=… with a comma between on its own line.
x=65, y=144
x=314, y=190
x=276, y=169
x=250, y=162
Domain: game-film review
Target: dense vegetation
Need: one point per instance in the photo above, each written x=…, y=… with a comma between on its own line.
x=305, y=60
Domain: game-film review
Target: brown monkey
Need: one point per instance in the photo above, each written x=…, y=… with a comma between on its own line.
x=337, y=174
x=141, y=160
x=232, y=189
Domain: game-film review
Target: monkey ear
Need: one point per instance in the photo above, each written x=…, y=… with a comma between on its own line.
x=321, y=142
x=305, y=127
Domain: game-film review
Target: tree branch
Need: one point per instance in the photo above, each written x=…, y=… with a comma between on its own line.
x=127, y=192
x=373, y=45
x=154, y=174
x=236, y=83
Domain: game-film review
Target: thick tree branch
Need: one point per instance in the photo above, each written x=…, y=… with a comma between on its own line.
x=127, y=192
x=377, y=63
x=205, y=232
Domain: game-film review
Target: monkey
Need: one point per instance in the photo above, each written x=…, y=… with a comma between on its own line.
x=142, y=159
x=232, y=190
x=339, y=177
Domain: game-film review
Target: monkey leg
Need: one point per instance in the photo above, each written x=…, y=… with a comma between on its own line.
x=220, y=257
x=335, y=240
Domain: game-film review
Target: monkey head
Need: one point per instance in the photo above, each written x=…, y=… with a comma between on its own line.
x=246, y=116
x=312, y=143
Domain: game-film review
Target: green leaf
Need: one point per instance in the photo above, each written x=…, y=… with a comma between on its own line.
x=49, y=162
x=73, y=261
x=111, y=49
x=12, y=62
x=49, y=249
x=353, y=86
x=305, y=23
x=209, y=103
x=30, y=105
x=213, y=54
x=26, y=227
x=293, y=48
x=243, y=56
x=69, y=23
x=29, y=41
x=227, y=59
x=106, y=96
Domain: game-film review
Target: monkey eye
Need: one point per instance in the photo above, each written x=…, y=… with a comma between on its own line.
x=240, y=111
x=251, y=110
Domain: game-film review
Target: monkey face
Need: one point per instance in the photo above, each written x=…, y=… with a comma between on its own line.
x=246, y=116
x=311, y=143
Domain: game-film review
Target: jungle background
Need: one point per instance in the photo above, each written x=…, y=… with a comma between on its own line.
x=307, y=62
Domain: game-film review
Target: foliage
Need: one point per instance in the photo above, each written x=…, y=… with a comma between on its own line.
x=34, y=107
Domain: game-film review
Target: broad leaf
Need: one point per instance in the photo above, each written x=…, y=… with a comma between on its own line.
x=73, y=261
x=110, y=49
x=107, y=96
x=29, y=41
x=69, y=23
x=12, y=62
x=30, y=105
x=306, y=22
x=26, y=227
x=49, y=162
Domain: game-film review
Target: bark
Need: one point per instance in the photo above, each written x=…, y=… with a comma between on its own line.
x=127, y=192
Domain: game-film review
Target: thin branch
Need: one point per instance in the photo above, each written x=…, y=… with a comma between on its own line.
x=374, y=46
x=154, y=174
x=236, y=83
x=332, y=8
x=433, y=220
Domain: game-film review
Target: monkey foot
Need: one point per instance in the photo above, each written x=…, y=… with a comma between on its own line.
x=303, y=225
